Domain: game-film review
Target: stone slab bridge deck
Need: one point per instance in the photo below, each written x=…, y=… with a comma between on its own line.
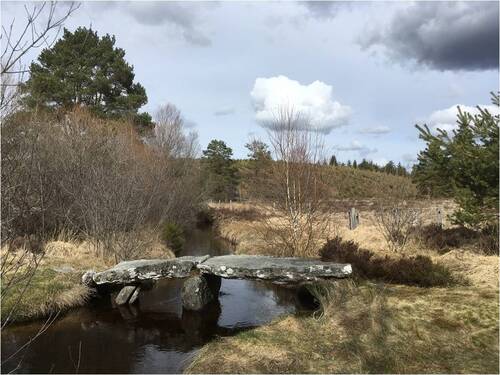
x=204, y=274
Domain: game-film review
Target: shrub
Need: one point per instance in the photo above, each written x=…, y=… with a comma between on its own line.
x=438, y=238
x=418, y=270
x=98, y=178
x=173, y=235
x=397, y=224
x=488, y=239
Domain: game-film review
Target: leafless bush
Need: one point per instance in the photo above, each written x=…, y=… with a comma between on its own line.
x=293, y=186
x=93, y=176
x=397, y=222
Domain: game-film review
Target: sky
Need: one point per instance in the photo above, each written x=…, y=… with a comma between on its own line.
x=364, y=73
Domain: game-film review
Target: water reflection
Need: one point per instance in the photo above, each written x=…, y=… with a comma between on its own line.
x=156, y=336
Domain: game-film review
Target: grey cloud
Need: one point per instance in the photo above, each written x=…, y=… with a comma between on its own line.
x=183, y=16
x=224, y=111
x=325, y=9
x=375, y=130
x=442, y=35
x=356, y=146
x=190, y=124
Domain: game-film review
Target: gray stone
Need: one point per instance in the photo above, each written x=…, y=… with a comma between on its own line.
x=88, y=279
x=196, y=293
x=148, y=269
x=125, y=294
x=353, y=215
x=135, y=296
x=283, y=270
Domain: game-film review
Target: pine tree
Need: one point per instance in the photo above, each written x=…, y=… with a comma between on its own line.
x=333, y=161
x=84, y=69
x=222, y=175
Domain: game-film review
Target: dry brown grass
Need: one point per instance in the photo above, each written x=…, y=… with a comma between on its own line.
x=372, y=328
x=56, y=284
x=479, y=270
x=368, y=329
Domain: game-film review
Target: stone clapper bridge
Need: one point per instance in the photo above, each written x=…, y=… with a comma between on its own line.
x=203, y=274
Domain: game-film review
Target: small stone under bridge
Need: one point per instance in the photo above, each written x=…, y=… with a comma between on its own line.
x=203, y=274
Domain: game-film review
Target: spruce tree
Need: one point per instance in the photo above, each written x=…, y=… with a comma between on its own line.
x=464, y=164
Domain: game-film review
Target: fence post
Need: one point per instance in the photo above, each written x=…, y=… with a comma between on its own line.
x=353, y=218
x=439, y=217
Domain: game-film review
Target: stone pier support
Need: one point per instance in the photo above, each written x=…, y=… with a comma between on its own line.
x=198, y=291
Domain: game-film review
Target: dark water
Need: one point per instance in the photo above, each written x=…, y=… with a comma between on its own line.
x=155, y=336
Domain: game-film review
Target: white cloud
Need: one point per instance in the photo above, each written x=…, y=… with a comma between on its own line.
x=376, y=130
x=315, y=101
x=446, y=119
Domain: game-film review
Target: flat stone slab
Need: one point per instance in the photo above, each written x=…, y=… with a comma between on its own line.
x=135, y=271
x=285, y=270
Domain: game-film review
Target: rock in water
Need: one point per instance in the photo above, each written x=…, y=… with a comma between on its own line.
x=135, y=296
x=196, y=293
x=123, y=297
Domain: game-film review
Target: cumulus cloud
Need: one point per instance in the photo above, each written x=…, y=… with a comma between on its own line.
x=446, y=119
x=314, y=101
x=356, y=146
x=375, y=130
x=185, y=17
x=441, y=35
x=225, y=111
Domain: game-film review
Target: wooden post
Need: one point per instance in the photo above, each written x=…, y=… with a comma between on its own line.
x=353, y=216
x=439, y=217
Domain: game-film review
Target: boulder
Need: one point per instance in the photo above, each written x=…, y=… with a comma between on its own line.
x=123, y=297
x=136, y=271
x=280, y=270
x=196, y=293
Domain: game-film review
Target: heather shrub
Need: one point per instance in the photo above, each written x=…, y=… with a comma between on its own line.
x=418, y=270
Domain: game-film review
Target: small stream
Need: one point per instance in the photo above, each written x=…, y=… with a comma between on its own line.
x=156, y=335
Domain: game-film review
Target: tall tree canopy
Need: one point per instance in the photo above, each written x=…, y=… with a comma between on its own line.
x=222, y=173
x=84, y=69
x=464, y=164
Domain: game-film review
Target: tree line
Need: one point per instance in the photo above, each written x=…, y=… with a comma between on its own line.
x=390, y=167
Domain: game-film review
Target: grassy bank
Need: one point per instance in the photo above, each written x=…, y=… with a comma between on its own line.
x=56, y=283
x=370, y=329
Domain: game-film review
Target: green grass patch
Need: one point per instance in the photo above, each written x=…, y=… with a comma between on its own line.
x=48, y=292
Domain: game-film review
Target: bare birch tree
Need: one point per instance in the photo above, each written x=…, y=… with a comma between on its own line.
x=294, y=185
x=41, y=28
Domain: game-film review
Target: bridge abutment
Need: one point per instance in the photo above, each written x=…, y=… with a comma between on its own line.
x=199, y=290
